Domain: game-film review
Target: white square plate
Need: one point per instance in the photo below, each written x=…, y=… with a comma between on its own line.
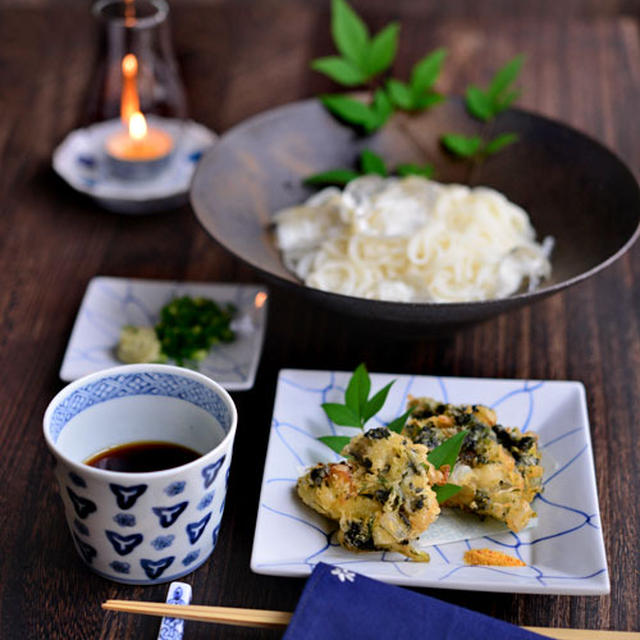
x=563, y=550
x=111, y=303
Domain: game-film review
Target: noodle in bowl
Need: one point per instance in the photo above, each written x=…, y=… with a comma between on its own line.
x=412, y=240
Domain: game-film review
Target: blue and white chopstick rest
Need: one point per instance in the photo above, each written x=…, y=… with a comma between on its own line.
x=173, y=628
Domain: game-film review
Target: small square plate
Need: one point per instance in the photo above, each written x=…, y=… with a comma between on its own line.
x=563, y=550
x=111, y=303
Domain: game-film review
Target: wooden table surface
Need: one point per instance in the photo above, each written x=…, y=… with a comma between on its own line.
x=239, y=58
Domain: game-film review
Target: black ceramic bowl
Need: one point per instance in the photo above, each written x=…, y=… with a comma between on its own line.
x=573, y=188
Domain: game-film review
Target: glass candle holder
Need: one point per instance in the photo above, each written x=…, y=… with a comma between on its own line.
x=139, y=28
x=136, y=94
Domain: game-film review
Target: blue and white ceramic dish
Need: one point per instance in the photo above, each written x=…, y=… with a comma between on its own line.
x=111, y=303
x=563, y=549
x=80, y=160
x=142, y=528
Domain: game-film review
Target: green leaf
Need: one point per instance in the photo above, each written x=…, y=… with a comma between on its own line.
x=505, y=76
x=415, y=96
x=350, y=33
x=350, y=110
x=425, y=170
x=381, y=108
x=485, y=105
x=426, y=71
x=427, y=100
x=400, y=94
x=500, y=142
x=382, y=49
x=341, y=414
x=398, y=424
x=445, y=491
x=337, y=443
x=372, y=163
x=461, y=145
x=478, y=103
x=508, y=100
x=447, y=452
x=375, y=403
x=357, y=392
x=339, y=69
x=338, y=177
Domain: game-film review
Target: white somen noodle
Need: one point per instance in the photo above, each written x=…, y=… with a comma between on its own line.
x=412, y=240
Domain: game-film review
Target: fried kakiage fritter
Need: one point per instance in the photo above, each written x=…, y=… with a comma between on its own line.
x=498, y=468
x=381, y=496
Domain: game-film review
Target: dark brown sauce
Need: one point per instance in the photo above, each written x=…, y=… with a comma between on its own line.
x=141, y=457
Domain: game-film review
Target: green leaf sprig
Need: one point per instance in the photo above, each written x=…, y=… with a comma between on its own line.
x=447, y=454
x=475, y=147
x=418, y=93
x=485, y=105
x=368, y=116
x=499, y=95
x=369, y=163
x=363, y=58
x=359, y=407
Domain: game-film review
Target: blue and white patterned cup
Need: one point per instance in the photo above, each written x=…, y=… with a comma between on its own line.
x=142, y=528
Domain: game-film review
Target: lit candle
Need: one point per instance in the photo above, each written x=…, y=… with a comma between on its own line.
x=139, y=151
x=139, y=143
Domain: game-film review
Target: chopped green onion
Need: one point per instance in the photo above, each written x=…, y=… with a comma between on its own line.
x=189, y=327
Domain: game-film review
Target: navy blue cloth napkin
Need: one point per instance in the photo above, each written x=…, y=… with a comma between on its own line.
x=338, y=603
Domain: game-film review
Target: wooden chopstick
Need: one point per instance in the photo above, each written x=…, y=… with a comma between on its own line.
x=223, y=615
x=276, y=619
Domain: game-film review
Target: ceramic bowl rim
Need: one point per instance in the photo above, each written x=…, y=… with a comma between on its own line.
x=123, y=476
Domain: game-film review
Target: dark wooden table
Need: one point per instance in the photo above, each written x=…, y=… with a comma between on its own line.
x=239, y=58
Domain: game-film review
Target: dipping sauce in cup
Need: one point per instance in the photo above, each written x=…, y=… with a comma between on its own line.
x=142, y=527
x=141, y=457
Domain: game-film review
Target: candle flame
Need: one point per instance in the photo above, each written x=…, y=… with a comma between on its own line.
x=137, y=126
x=129, y=100
x=129, y=66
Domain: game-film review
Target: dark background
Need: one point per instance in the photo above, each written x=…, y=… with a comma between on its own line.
x=239, y=58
